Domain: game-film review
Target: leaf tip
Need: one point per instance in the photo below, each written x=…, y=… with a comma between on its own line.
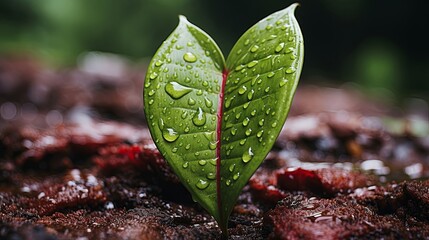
x=182, y=18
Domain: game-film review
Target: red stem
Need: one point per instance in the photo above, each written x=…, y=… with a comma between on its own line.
x=218, y=137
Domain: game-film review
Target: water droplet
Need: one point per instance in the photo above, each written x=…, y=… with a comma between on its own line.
x=185, y=165
x=292, y=57
x=261, y=122
x=197, y=154
x=187, y=129
x=151, y=92
x=250, y=94
x=280, y=21
x=239, y=51
x=205, y=83
x=170, y=135
x=252, y=63
x=228, y=152
x=189, y=57
x=175, y=90
x=212, y=145
x=190, y=44
x=202, y=184
x=248, y=132
x=246, y=42
x=246, y=121
x=199, y=118
x=191, y=101
x=268, y=27
x=231, y=167
x=202, y=162
x=208, y=102
x=228, y=182
x=188, y=146
x=239, y=67
x=289, y=50
x=161, y=124
x=243, y=141
x=151, y=102
x=282, y=82
x=279, y=47
x=274, y=124
x=246, y=105
x=268, y=111
x=267, y=89
x=236, y=176
x=290, y=70
x=158, y=63
x=233, y=131
x=199, y=92
x=184, y=114
x=242, y=90
x=228, y=102
x=259, y=134
x=247, y=156
x=271, y=74
x=254, y=48
x=147, y=84
x=253, y=112
x=238, y=115
x=153, y=75
x=211, y=176
x=291, y=39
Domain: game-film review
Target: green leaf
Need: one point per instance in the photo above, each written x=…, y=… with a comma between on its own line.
x=215, y=122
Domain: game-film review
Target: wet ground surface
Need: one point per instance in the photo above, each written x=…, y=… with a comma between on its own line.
x=77, y=162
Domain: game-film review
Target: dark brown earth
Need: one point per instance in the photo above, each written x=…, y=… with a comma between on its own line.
x=77, y=162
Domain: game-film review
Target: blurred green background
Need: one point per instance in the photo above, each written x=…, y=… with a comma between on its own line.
x=376, y=44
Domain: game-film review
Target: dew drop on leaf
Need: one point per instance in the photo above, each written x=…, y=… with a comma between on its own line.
x=211, y=176
x=250, y=94
x=185, y=165
x=254, y=48
x=202, y=162
x=247, y=156
x=153, y=75
x=243, y=141
x=252, y=63
x=212, y=145
x=175, y=90
x=189, y=57
x=199, y=118
x=236, y=176
x=290, y=70
x=248, y=132
x=158, y=63
x=261, y=122
x=231, y=167
x=246, y=121
x=170, y=135
x=271, y=74
x=228, y=182
x=208, y=102
x=191, y=101
x=242, y=90
x=202, y=184
x=233, y=131
x=279, y=47
x=188, y=146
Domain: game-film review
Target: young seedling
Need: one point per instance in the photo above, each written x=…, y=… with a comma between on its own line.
x=214, y=121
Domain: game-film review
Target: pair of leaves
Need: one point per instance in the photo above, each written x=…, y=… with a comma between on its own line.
x=214, y=121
